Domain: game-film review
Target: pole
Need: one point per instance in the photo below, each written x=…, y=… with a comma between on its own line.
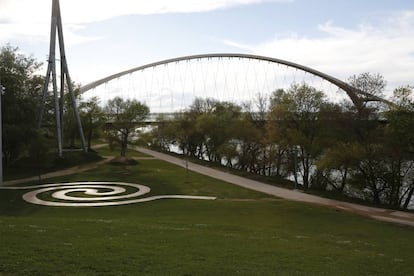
x=1, y=137
x=52, y=56
x=65, y=73
x=56, y=28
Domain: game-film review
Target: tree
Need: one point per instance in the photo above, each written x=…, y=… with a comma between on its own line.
x=255, y=154
x=366, y=139
x=399, y=148
x=92, y=118
x=373, y=84
x=38, y=149
x=294, y=119
x=189, y=138
x=123, y=119
x=182, y=131
x=20, y=104
x=248, y=152
x=334, y=164
x=217, y=127
x=163, y=135
x=205, y=130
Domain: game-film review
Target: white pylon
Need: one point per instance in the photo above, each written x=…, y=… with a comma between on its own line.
x=56, y=26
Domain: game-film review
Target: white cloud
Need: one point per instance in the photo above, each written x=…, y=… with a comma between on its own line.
x=80, y=11
x=29, y=20
x=387, y=48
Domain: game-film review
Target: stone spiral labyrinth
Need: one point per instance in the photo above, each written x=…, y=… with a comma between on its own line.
x=93, y=194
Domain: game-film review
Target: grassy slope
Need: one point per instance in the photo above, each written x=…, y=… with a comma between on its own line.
x=242, y=232
x=106, y=151
x=28, y=167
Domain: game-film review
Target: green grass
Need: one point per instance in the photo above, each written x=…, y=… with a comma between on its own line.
x=106, y=151
x=243, y=232
x=27, y=167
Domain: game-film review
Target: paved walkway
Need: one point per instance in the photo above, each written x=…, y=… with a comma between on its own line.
x=399, y=217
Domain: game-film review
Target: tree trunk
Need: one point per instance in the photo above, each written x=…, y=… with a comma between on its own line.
x=376, y=195
x=89, y=139
x=344, y=179
x=305, y=179
x=409, y=196
x=306, y=169
x=124, y=144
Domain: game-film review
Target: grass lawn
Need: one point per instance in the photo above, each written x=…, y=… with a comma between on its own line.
x=242, y=232
x=27, y=167
x=106, y=151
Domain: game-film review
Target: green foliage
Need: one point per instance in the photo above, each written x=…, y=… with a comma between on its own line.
x=344, y=148
x=41, y=158
x=218, y=127
x=375, y=160
x=399, y=148
x=106, y=151
x=123, y=118
x=373, y=84
x=92, y=118
x=295, y=119
x=19, y=104
x=336, y=163
x=221, y=132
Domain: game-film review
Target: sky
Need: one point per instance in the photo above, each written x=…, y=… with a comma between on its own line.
x=337, y=37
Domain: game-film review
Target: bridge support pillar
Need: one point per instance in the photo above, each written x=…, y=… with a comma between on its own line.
x=56, y=29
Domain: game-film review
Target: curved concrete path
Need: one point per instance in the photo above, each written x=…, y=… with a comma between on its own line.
x=100, y=193
x=399, y=217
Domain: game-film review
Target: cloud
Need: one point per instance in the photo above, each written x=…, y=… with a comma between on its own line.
x=80, y=11
x=386, y=48
x=29, y=20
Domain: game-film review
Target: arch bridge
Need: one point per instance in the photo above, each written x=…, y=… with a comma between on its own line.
x=357, y=96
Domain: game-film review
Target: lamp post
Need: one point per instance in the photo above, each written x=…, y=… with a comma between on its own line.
x=2, y=89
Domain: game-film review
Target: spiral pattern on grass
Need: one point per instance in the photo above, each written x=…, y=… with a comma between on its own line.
x=93, y=194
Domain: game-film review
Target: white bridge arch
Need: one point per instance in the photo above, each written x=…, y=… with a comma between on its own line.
x=241, y=75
